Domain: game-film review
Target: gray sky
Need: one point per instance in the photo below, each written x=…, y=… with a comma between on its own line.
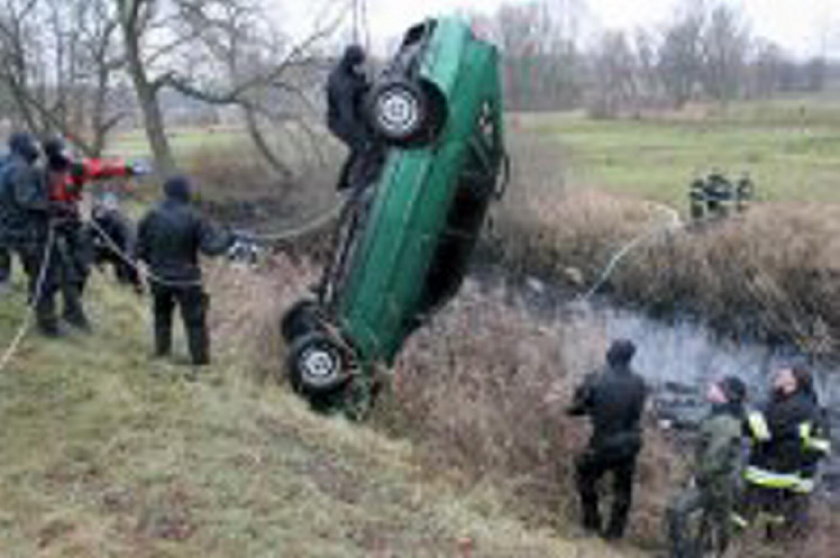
x=801, y=26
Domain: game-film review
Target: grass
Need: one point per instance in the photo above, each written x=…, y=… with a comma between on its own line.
x=790, y=158
x=107, y=453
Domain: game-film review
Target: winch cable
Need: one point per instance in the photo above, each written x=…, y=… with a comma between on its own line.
x=291, y=233
x=13, y=347
x=674, y=223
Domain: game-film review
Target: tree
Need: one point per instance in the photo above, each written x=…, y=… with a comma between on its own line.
x=615, y=72
x=681, y=57
x=57, y=65
x=136, y=20
x=724, y=46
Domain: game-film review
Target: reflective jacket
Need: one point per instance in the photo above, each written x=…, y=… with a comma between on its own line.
x=789, y=437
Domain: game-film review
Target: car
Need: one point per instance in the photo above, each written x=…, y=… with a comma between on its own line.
x=404, y=239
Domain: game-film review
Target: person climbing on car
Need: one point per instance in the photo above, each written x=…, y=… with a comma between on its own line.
x=717, y=463
x=614, y=399
x=346, y=89
x=66, y=178
x=25, y=218
x=169, y=239
x=789, y=437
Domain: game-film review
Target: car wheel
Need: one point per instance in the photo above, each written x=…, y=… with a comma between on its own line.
x=299, y=320
x=399, y=111
x=316, y=365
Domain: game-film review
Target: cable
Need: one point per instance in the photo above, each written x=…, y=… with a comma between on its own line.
x=674, y=223
x=295, y=232
x=36, y=298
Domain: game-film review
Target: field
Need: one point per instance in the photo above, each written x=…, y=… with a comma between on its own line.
x=791, y=154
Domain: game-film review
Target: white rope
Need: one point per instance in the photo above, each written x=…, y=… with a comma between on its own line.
x=674, y=223
x=13, y=347
x=296, y=232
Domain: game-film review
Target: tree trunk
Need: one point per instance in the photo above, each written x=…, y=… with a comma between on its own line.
x=146, y=91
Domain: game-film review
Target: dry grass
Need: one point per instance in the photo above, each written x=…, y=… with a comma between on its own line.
x=772, y=275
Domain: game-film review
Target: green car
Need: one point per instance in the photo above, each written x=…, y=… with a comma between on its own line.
x=403, y=242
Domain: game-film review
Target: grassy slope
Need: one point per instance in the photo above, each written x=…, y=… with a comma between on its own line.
x=792, y=155
x=106, y=453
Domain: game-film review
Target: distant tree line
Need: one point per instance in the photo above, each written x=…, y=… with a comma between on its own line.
x=706, y=52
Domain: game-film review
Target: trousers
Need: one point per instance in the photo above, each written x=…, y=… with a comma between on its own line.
x=193, y=303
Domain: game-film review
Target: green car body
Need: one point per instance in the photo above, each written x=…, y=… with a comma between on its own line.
x=416, y=195
x=425, y=209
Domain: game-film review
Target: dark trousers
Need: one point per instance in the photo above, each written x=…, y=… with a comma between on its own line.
x=592, y=465
x=692, y=503
x=5, y=264
x=124, y=273
x=786, y=510
x=74, y=255
x=193, y=303
x=43, y=274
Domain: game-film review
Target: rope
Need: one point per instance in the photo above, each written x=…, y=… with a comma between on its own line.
x=674, y=223
x=295, y=232
x=150, y=276
x=36, y=298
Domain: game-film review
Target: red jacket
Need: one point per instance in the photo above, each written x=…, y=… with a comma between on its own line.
x=66, y=186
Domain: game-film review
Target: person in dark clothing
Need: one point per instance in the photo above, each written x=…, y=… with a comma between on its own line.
x=714, y=477
x=697, y=199
x=114, y=238
x=789, y=438
x=169, y=239
x=744, y=193
x=5, y=265
x=614, y=400
x=346, y=90
x=66, y=178
x=26, y=214
x=719, y=195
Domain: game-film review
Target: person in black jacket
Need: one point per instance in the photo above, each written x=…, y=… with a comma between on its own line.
x=346, y=89
x=114, y=236
x=789, y=437
x=614, y=399
x=169, y=239
x=25, y=215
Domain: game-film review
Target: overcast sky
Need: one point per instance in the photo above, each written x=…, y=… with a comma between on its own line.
x=804, y=27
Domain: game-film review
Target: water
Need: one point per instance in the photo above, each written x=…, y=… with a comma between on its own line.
x=678, y=358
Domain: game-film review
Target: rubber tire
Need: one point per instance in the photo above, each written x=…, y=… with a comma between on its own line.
x=415, y=95
x=321, y=346
x=299, y=320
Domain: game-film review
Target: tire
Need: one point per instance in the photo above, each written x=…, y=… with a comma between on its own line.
x=399, y=111
x=299, y=320
x=317, y=365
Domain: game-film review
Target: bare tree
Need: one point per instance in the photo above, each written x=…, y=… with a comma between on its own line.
x=56, y=64
x=725, y=42
x=681, y=56
x=137, y=19
x=542, y=63
x=615, y=72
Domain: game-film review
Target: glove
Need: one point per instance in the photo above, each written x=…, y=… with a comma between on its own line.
x=243, y=251
x=139, y=168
